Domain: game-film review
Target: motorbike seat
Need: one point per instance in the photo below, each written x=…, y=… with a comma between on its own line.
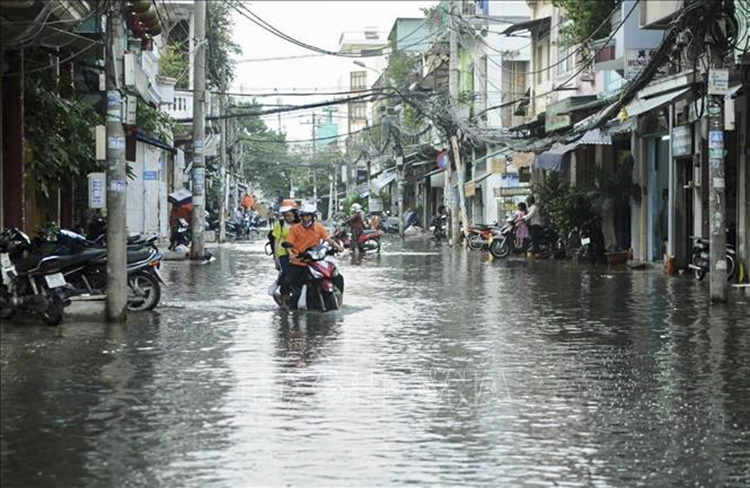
x=369, y=231
x=71, y=260
x=139, y=255
x=135, y=238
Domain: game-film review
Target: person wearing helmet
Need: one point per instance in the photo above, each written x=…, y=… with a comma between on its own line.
x=280, y=233
x=356, y=223
x=302, y=236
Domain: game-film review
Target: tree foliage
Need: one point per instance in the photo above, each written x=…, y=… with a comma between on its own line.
x=221, y=47
x=268, y=162
x=58, y=132
x=174, y=64
x=585, y=16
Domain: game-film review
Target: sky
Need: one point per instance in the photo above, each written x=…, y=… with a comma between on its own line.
x=319, y=23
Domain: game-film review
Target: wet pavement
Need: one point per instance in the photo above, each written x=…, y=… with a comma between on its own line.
x=440, y=369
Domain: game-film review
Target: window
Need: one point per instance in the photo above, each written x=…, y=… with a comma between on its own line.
x=358, y=80
x=357, y=111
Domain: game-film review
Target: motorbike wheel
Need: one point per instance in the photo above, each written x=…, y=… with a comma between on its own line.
x=144, y=292
x=730, y=268
x=475, y=242
x=500, y=248
x=53, y=315
x=330, y=301
x=7, y=313
x=371, y=245
x=699, y=273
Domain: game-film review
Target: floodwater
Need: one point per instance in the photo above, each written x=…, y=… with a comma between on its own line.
x=442, y=368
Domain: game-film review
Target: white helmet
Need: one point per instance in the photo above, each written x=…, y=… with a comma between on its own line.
x=356, y=207
x=308, y=209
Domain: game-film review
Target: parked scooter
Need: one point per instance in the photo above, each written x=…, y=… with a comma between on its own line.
x=324, y=290
x=181, y=235
x=84, y=266
x=700, y=259
x=591, y=239
x=479, y=236
x=369, y=240
x=438, y=227
x=30, y=282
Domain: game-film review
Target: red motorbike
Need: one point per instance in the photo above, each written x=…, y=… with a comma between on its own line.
x=369, y=240
x=324, y=287
x=479, y=236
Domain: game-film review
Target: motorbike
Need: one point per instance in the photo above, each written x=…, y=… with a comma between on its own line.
x=591, y=240
x=479, y=236
x=28, y=281
x=437, y=226
x=84, y=266
x=368, y=240
x=324, y=289
x=181, y=235
x=504, y=242
x=701, y=255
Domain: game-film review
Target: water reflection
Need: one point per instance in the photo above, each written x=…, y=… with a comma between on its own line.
x=442, y=368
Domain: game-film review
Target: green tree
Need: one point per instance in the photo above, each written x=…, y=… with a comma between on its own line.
x=586, y=16
x=221, y=47
x=58, y=131
x=174, y=64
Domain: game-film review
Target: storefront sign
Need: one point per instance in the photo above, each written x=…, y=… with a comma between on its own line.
x=150, y=175
x=637, y=59
x=518, y=191
x=682, y=141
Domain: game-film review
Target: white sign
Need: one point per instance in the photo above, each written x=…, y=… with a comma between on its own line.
x=637, y=59
x=375, y=204
x=718, y=82
x=682, y=141
x=97, y=194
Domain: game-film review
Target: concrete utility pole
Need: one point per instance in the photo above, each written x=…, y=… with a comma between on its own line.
x=117, y=278
x=223, y=172
x=399, y=177
x=461, y=189
x=199, y=164
x=453, y=90
x=314, y=167
x=716, y=182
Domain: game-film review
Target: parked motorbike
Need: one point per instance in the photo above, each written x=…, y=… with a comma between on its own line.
x=700, y=259
x=591, y=240
x=84, y=265
x=479, y=236
x=504, y=242
x=368, y=240
x=324, y=290
x=28, y=281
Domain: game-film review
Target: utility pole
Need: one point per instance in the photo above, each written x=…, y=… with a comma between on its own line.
x=314, y=168
x=117, y=286
x=223, y=171
x=453, y=90
x=399, y=177
x=199, y=164
x=716, y=177
x=458, y=209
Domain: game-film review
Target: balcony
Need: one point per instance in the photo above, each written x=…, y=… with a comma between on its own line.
x=658, y=14
x=630, y=48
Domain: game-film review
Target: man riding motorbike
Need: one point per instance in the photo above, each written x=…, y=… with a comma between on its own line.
x=302, y=236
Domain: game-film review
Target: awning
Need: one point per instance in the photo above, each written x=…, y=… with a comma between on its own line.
x=153, y=141
x=596, y=137
x=552, y=160
x=384, y=180
x=522, y=159
x=527, y=25
x=639, y=106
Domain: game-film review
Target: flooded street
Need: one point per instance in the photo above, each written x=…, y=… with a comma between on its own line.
x=441, y=368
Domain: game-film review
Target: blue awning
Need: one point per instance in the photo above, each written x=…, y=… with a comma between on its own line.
x=552, y=160
x=153, y=141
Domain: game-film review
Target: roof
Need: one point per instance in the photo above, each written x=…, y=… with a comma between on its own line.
x=529, y=25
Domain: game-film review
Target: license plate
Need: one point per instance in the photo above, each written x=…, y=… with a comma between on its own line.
x=585, y=241
x=5, y=260
x=55, y=280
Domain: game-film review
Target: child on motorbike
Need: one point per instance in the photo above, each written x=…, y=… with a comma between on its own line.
x=522, y=227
